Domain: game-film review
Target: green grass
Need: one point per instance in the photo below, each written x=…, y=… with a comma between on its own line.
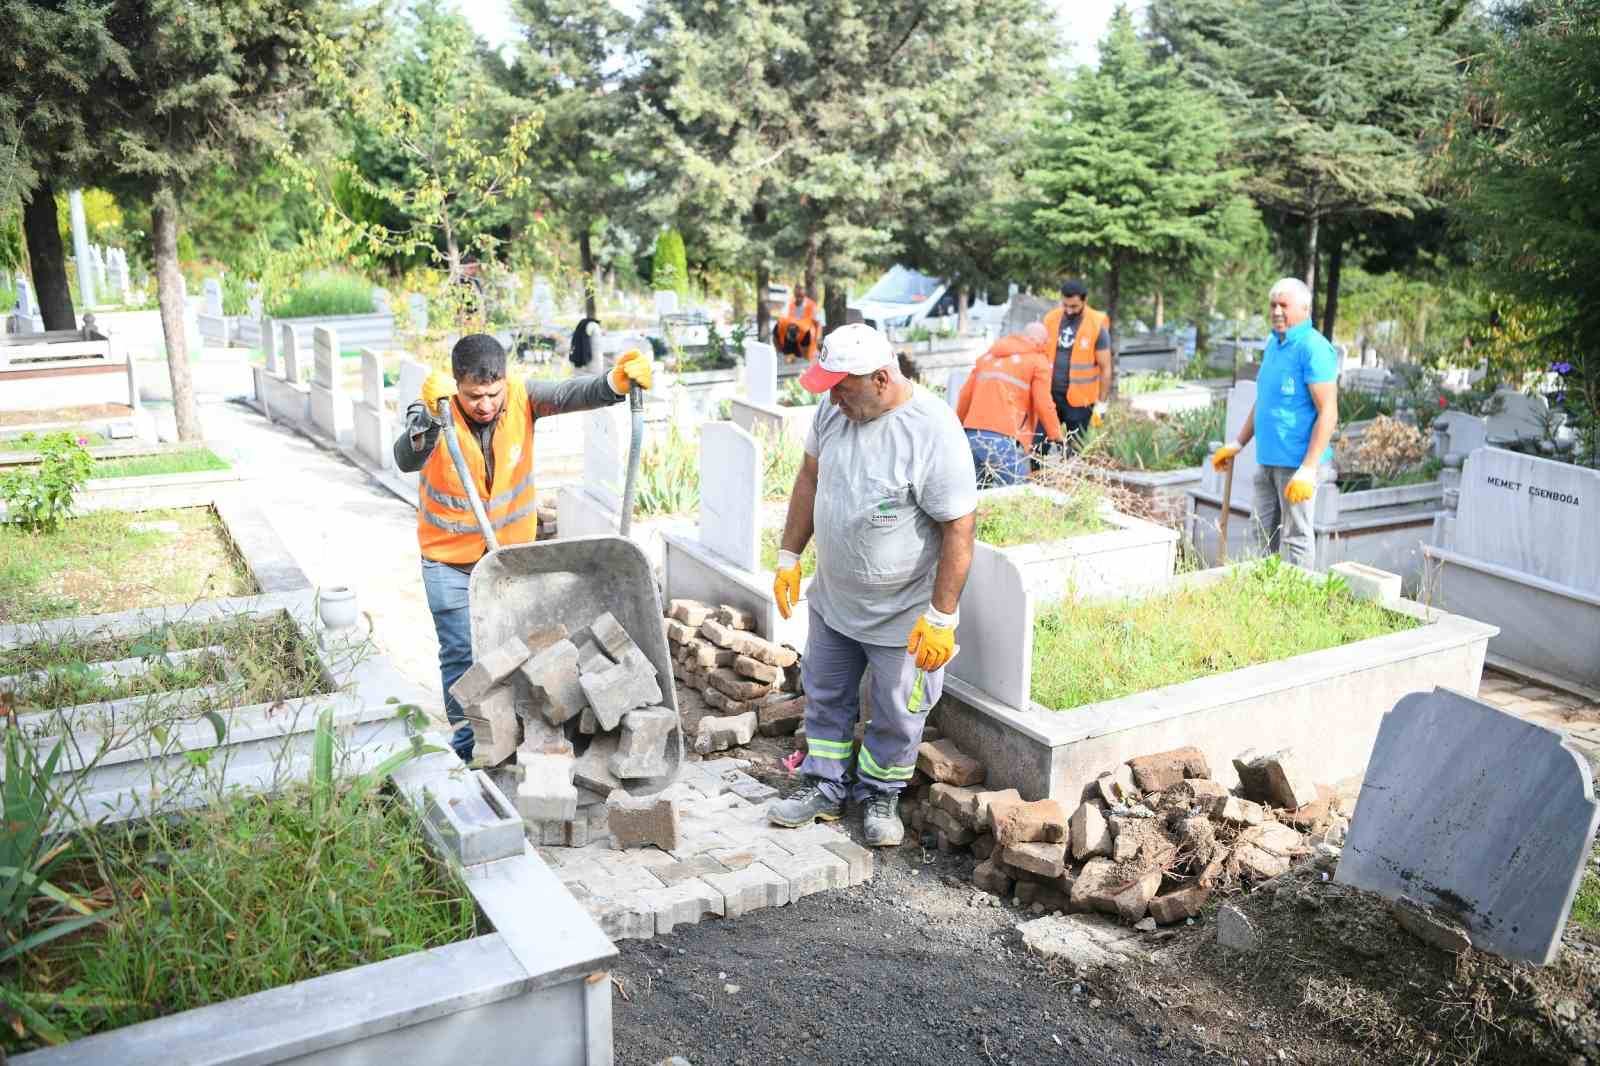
x=669, y=471
x=1155, y=381
x=253, y=894
x=184, y=461
x=1586, y=905
x=89, y=437
x=96, y=564
x=1131, y=441
x=770, y=543
x=1033, y=518
x=330, y=293
x=1087, y=652
x=1357, y=406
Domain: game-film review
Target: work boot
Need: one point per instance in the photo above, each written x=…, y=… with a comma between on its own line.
x=804, y=807
x=880, y=822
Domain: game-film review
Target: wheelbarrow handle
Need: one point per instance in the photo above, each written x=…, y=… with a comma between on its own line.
x=635, y=441
x=447, y=421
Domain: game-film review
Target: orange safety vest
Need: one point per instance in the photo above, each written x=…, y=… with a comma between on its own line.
x=1083, y=376
x=1008, y=391
x=804, y=319
x=446, y=527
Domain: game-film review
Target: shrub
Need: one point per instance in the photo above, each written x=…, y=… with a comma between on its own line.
x=1154, y=381
x=235, y=295
x=669, y=269
x=1386, y=450
x=40, y=498
x=1131, y=441
x=8, y=297
x=327, y=293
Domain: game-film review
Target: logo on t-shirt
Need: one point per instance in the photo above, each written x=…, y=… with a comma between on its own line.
x=885, y=515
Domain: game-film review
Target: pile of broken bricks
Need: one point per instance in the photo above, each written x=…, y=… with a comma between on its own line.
x=1153, y=841
x=543, y=696
x=749, y=684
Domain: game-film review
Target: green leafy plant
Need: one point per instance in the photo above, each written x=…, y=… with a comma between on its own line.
x=1131, y=441
x=235, y=295
x=794, y=394
x=669, y=475
x=781, y=456
x=1154, y=381
x=324, y=293
x=40, y=498
x=1031, y=518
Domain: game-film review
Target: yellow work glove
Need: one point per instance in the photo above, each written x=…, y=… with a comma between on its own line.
x=1222, y=458
x=438, y=386
x=1098, y=418
x=933, y=638
x=1302, y=486
x=633, y=368
x=786, y=584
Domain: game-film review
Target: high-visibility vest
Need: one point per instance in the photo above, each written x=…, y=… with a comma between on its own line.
x=1008, y=391
x=1083, y=375
x=806, y=334
x=447, y=530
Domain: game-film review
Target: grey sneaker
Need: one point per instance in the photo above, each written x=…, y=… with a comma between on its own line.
x=804, y=807
x=880, y=821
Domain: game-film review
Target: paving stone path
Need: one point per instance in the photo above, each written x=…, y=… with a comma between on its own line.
x=1573, y=715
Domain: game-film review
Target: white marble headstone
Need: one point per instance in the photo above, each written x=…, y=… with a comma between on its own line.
x=666, y=302
x=269, y=344
x=291, y=353
x=605, y=454
x=1517, y=416
x=1241, y=398
x=212, y=291
x=371, y=378
x=543, y=300
x=417, y=305
x=412, y=375
x=1460, y=433
x=254, y=306
x=761, y=372
x=955, y=383
x=117, y=274
x=1535, y=515
x=24, y=306
x=325, y=346
x=730, y=494
x=380, y=301
x=97, y=263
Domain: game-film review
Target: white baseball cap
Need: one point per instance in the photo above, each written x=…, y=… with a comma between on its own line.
x=849, y=350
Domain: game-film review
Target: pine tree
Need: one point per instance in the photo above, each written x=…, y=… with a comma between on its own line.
x=669, y=268
x=1127, y=171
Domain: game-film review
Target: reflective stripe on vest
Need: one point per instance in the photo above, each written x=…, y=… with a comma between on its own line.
x=995, y=375
x=447, y=530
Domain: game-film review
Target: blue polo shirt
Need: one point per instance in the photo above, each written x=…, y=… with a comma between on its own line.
x=1285, y=413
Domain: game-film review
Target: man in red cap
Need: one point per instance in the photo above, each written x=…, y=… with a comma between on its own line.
x=888, y=490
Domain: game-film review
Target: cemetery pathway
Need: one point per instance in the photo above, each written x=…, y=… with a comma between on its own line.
x=1578, y=718
x=341, y=527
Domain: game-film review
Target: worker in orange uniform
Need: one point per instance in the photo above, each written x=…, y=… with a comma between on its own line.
x=798, y=332
x=494, y=418
x=1080, y=382
x=1004, y=401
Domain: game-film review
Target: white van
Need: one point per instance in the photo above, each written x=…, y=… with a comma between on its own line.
x=904, y=298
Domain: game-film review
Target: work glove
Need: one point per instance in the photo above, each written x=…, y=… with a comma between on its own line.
x=1098, y=418
x=786, y=585
x=1302, y=486
x=933, y=638
x=438, y=386
x=1222, y=458
x=633, y=368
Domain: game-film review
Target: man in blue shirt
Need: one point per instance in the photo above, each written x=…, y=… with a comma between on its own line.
x=1292, y=421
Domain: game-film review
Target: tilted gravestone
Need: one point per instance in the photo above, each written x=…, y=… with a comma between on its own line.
x=1459, y=433
x=730, y=494
x=1484, y=817
x=1515, y=416
x=666, y=302
x=761, y=373
x=1534, y=515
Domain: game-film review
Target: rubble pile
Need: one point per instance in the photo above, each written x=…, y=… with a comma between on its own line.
x=1153, y=841
x=583, y=715
x=751, y=685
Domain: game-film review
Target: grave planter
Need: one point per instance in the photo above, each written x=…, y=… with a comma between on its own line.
x=772, y=420
x=699, y=392
x=1166, y=490
x=1172, y=401
x=375, y=330
x=1326, y=704
x=540, y=969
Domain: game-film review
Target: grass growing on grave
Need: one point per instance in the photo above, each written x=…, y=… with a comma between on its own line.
x=261, y=660
x=180, y=461
x=97, y=564
x=1152, y=381
x=1087, y=652
x=770, y=543
x=1033, y=518
x=327, y=293
x=253, y=894
x=1132, y=441
x=87, y=437
x=669, y=471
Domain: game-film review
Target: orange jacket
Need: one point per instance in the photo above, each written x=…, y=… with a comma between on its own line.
x=446, y=528
x=1083, y=376
x=1008, y=391
x=807, y=334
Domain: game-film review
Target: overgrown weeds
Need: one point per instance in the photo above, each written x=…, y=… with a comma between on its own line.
x=1087, y=652
x=1035, y=518
x=1132, y=441
x=669, y=471
x=325, y=293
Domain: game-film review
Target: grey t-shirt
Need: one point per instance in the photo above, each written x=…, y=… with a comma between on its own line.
x=883, y=487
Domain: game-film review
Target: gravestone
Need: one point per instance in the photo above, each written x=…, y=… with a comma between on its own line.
x=666, y=302
x=412, y=375
x=97, y=264
x=730, y=494
x=954, y=383
x=380, y=301
x=291, y=353
x=330, y=410
x=325, y=350
x=24, y=306
x=269, y=344
x=1241, y=399
x=605, y=454
x=761, y=373
x=372, y=435
x=1458, y=432
x=543, y=301
x=417, y=308
x=212, y=295
x=1534, y=515
x=371, y=378
x=117, y=274
x=1478, y=814
x=1516, y=416
x=253, y=305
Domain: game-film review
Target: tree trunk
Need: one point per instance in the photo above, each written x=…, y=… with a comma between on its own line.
x=591, y=276
x=1312, y=223
x=169, y=294
x=452, y=251
x=1330, y=300
x=1161, y=303
x=49, y=259
x=961, y=311
x=1113, y=295
x=763, y=311
x=835, y=305
x=1202, y=328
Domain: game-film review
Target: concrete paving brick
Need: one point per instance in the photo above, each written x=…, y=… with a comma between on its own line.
x=685, y=869
x=756, y=670
x=700, y=843
x=720, y=734
x=712, y=806
x=546, y=793
x=552, y=676
x=616, y=880
x=684, y=903
x=806, y=837
x=642, y=750
x=625, y=917
x=496, y=730
x=734, y=618
x=573, y=834
x=491, y=668
x=780, y=717
x=619, y=688
x=689, y=612
x=858, y=860
x=591, y=659
x=750, y=889
x=746, y=787
x=612, y=638
x=810, y=870
x=636, y=821
x=722, y=764
x=593, y=768
x=737, y=858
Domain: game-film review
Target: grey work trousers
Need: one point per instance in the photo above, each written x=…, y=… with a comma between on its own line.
x=831, y=672
x=1286, y=526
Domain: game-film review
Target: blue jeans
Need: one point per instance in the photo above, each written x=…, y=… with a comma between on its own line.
x=447, y=599
x=997, y=458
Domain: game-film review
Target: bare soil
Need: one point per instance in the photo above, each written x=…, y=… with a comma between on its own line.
x=79, y=413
